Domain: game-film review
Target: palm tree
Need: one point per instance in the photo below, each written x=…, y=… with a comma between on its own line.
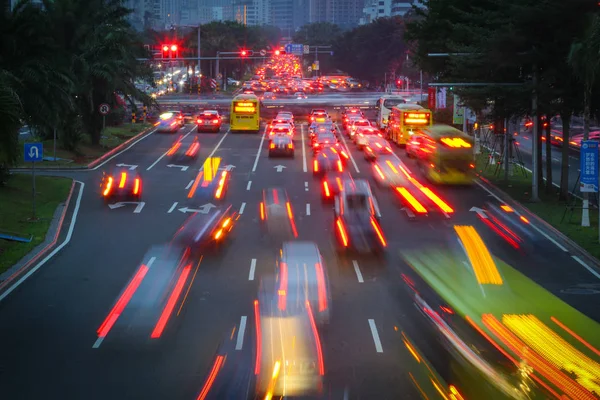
x=101, y=50
x=584, y=58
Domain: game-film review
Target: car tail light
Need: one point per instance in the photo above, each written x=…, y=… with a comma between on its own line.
x=315, y=166
x=339, y=165
x=136, y=186
x=389, y=149
x=200, y=121
x=342, y=231
x=262, y=211
x=377, y=228
x=109, y=183
x=219, y=192
x=326, y=189
x=272, y=146
x=215, y=121
x=290, y=146
x=173, y=123
x=123, y=180
x=316, y=144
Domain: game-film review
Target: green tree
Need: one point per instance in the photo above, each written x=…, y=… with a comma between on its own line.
x=370, y=51
x=318, y=34
x=100, y=48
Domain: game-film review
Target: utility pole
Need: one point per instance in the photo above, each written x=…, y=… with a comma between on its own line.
x=535, y=182
x=199, y=69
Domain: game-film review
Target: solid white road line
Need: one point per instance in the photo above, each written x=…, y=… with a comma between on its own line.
x=252, y=269
x=124, y=150
x=560, y=246
x=304, y=167
x=348, y=149
x=248, y=185
x=590, y=269
x=56, y=250
x=306, y=186
x=165, y=153
x=98, y=342
x=172, y=207
x=242, y=208
x=189, y=185
x=240, y=336
x=357, y=270
x=212, y=153
x=307, y=209
x=260, y=146
x=375, y=336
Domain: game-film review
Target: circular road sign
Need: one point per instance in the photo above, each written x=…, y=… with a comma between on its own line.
x=104, y=108
x=263, y=52
x=219, y=76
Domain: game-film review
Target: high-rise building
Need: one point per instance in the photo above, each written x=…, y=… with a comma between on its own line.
x=401, y=7
x=289, y=15
x=376, y=9
x=345, y=13
x=317, y=11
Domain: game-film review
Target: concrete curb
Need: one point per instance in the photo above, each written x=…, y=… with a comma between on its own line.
x=556, y=235
x=43, y=248
x=93, y=163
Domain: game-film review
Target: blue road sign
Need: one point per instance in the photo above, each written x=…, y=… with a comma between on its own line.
x=588, y=182
x=34, y=152
x=295, y=49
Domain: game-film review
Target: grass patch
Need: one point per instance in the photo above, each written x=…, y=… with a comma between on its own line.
x=550, y=209
x=16, y=210
x=86, y=152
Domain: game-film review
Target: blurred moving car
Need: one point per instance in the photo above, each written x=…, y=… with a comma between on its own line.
x=209, y=121
x=377, y=147
x=327, y=160
x=269, y=96
x=333, y=184
x=300, y=96
x=323, y=140
x=362, y=135
x=168, y=123
x=302, y=277
x=281, y=145
x=208, y=230
x=211, y=184
x=276, y=214
x=281, y=130
x=183, y=151
x=356, y=214
x=121, y=184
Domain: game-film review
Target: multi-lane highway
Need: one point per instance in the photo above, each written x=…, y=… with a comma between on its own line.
x=49, y=344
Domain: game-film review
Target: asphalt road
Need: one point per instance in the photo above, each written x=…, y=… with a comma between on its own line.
x=48, y=342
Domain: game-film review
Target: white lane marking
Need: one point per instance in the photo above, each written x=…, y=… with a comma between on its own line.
x=560, y=246
x=242, y=208
x=189, y=185
x=240, y=336
x=304, y=167
x=165, y=153
x=98, y=342
x=56, y=250
x=248, y=185
x=346, y=393
x=375, y=336
x=260, y=147
x=212, y=153
x=348, y=149
x=357, y=270
x=590, y=269
x=252, y=269
x=307, y=209
x=306, y=186
x=172, y=207
x=124, y=150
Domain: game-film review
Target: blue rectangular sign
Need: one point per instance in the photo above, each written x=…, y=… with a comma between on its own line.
x=34, y=152
x=295, y=49
x=588, y=182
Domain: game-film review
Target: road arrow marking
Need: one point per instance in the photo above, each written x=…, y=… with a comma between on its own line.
x=227, y=167
x=279, y=168
x=204, y=209
x=183, y=167
x=131, y=167
x=481, y=212
x=138, y=209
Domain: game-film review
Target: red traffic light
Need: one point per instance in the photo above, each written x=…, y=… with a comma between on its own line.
x=173, y=47
x=244, y=53
x=165, y=48
x=277, y=52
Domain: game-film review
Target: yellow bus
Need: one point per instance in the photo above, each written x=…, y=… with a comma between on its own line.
x=405, y=119
x=245, y=114
x=444, y=153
